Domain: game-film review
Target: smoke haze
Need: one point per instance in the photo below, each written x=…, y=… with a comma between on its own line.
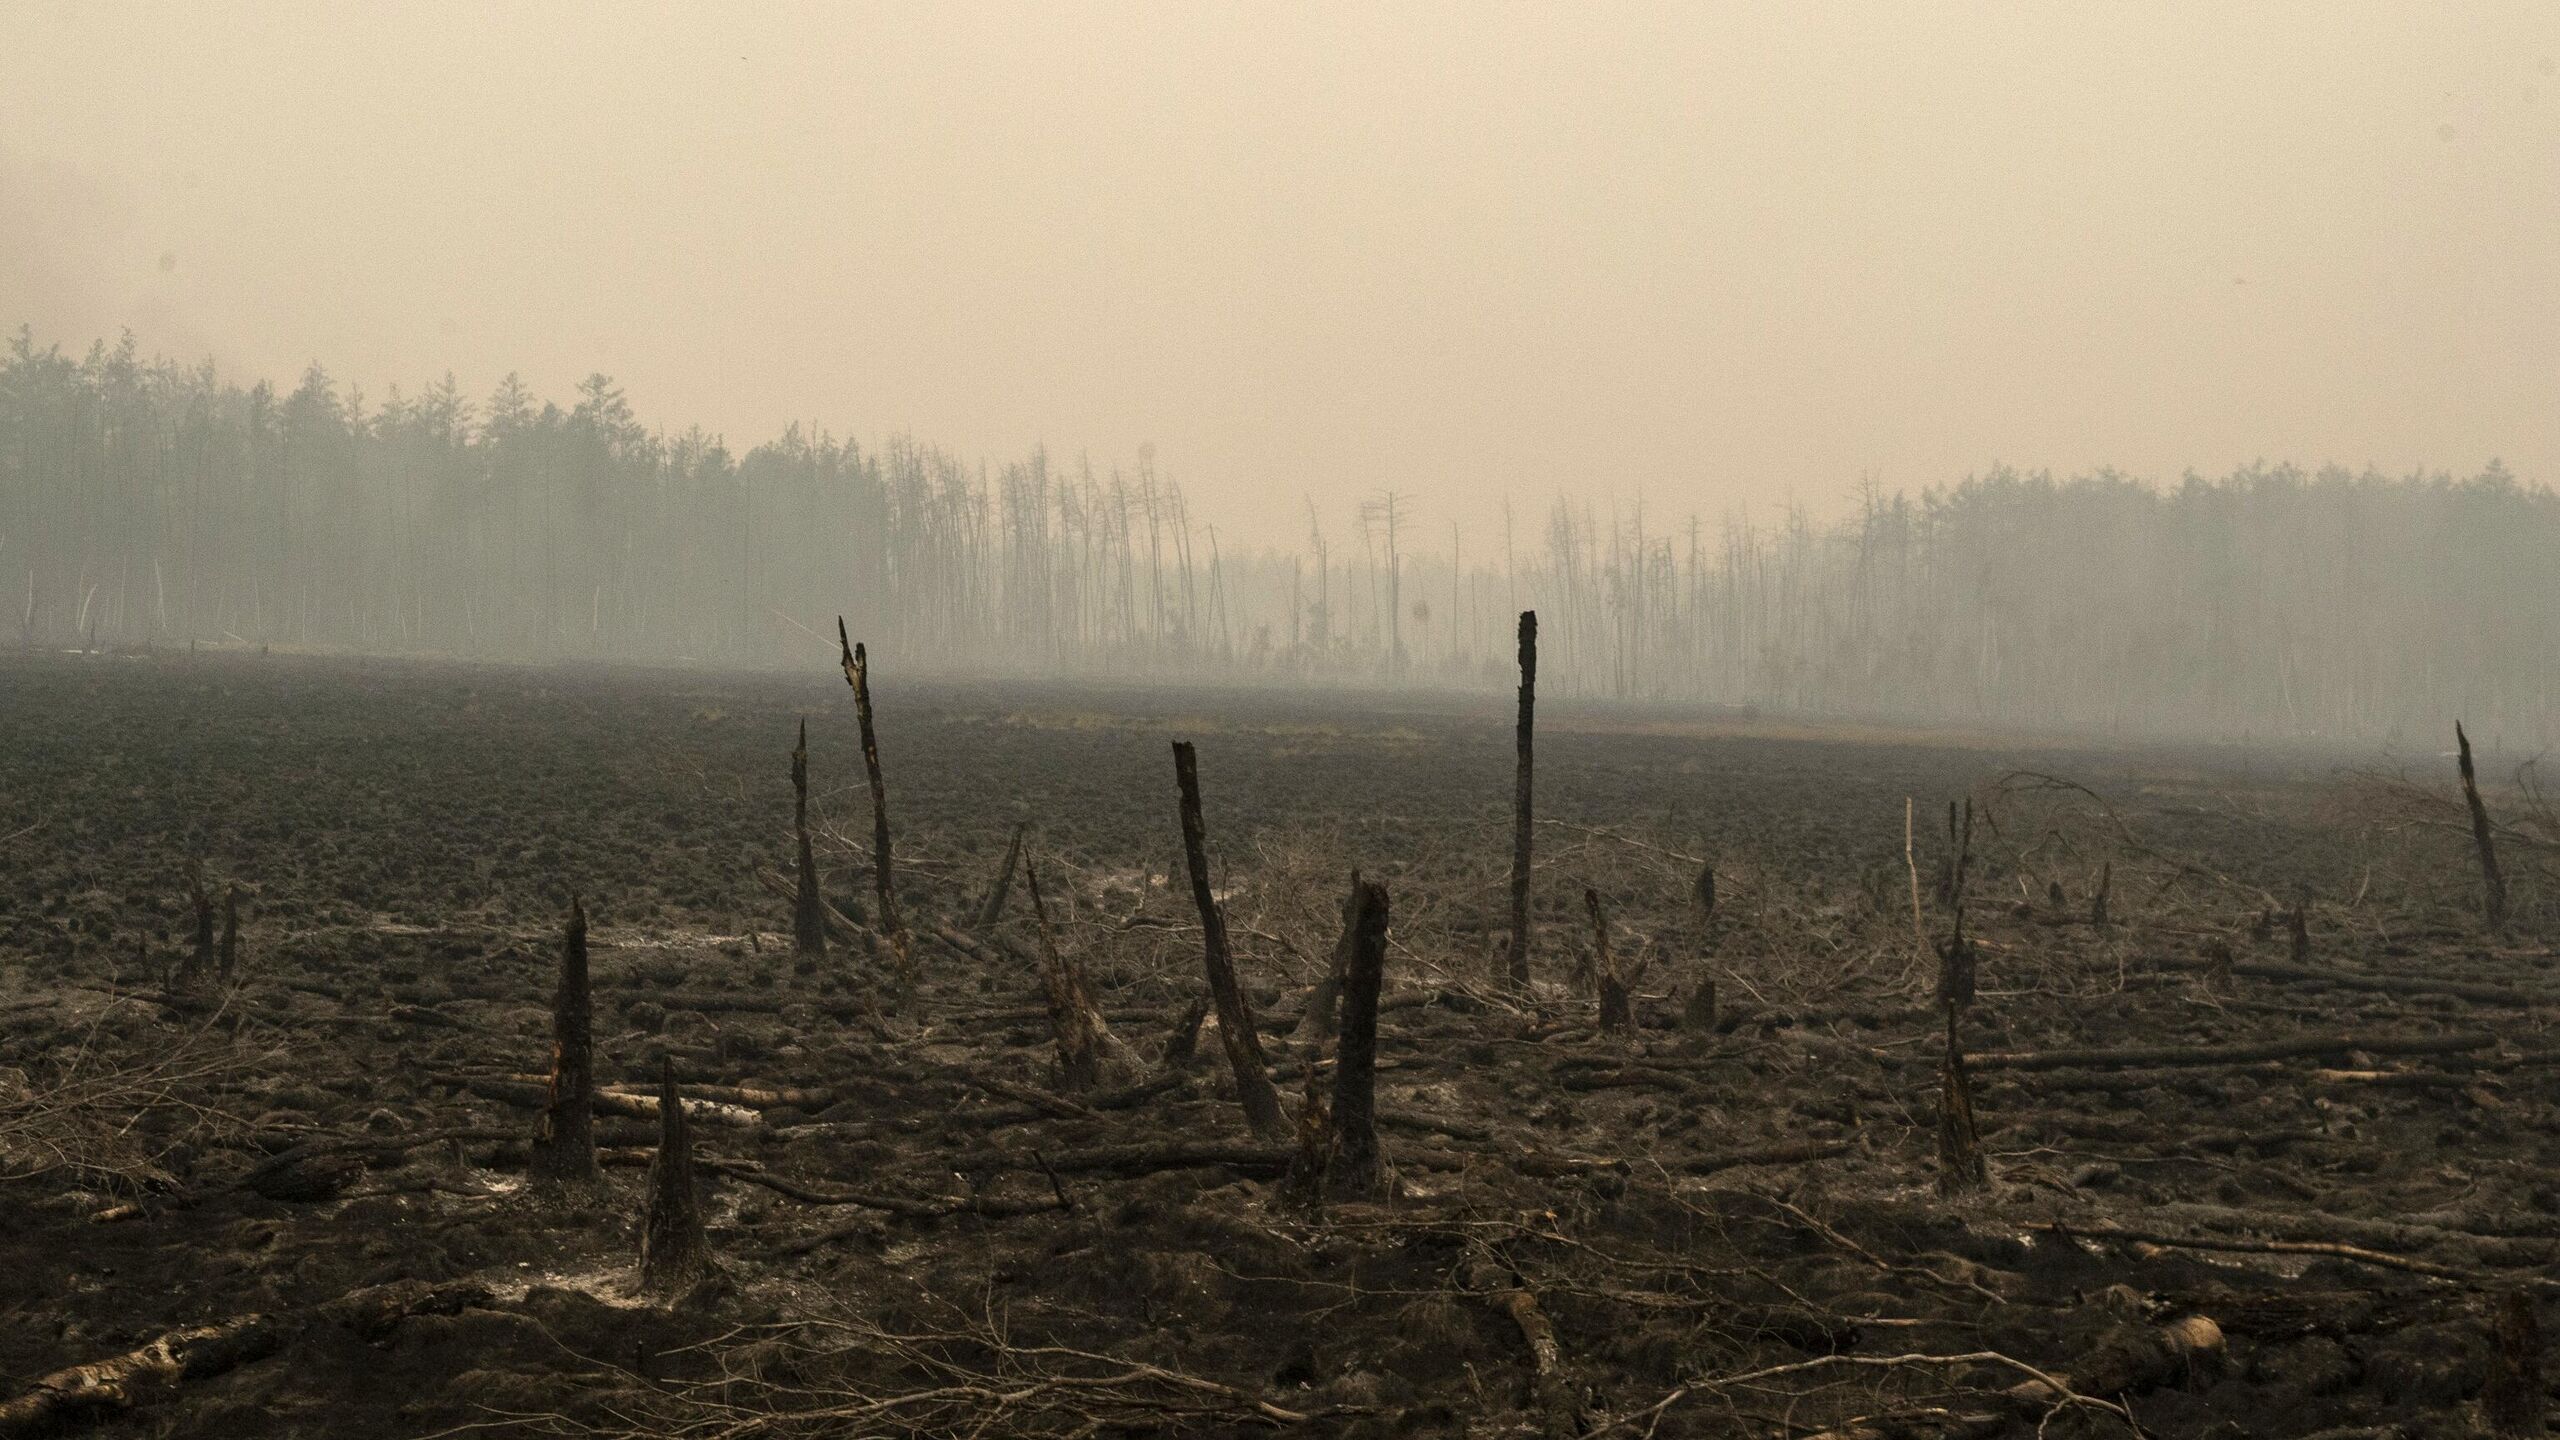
x=1707, y=256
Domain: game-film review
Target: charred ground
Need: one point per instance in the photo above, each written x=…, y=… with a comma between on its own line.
x=1698, y=1229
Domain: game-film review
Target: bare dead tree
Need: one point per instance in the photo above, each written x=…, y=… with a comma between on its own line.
x=993, y=910
x=564, y=1144
x=857, y=673
x=808, y=909
x=1357, y=1166
x=1261, y=1100
x=1520, y=800
x=675, y=1254
x=2493, y=885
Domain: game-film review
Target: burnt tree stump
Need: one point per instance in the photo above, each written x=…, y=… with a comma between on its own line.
x=564, y=1142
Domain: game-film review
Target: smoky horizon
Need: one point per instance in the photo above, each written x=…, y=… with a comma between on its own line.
x=2009, y=368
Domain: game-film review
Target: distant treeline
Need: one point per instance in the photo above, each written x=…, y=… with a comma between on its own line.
x=146, y=502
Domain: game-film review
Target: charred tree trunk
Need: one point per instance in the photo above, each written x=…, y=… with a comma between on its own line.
x=2299, y=922
x=1357, y=1166
x=808, y=908
x=1254, y=1089
x=1955, y=961
x=1961, y=1169
x=564, y=1146
x=675, y=1254
x=1524, y=738
x=857, y=673
x=1088, y=1053
x=993, y=910
x=1321, y=1022
x=2098, y=916
x=2493, y=885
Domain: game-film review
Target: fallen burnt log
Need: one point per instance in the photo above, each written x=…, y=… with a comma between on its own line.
x=88, y=1393
x=2349, y=980
x=2299, y=1047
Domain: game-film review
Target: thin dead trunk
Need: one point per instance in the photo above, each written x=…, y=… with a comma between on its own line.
x=857, y=673
x=993, y=910
x=1524, y=736
x=1254, y=1089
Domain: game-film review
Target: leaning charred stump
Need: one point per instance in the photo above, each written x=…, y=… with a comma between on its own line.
x=564, y=1143
x=993, y=910
x=808, y=907
x=1616, y=990
x=675, y=1254
x=1089, y=1055
x=2493, y=896
x=1261, y=1100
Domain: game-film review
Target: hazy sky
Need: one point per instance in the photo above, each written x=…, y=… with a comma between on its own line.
x=1708, y=254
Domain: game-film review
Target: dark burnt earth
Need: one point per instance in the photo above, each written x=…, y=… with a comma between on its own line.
x=2232, y=1192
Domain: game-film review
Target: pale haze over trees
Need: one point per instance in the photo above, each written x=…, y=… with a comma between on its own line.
x=1313, y=342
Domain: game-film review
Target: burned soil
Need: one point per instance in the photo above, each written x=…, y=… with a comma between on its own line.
x=2265, y=1110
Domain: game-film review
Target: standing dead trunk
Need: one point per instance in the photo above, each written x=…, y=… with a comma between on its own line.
x=2493, y=884
x=857, y=673
x=808, y=910
x=2098, y=916
x=1321, y=1022
x=1088, y=1053
x=564, y=1147
x=993, y=910
x=1961, y=1169
x=2299, y=922
x=1358, y=1167
x=675, y=1254
x=1615, y=990
x=1524, y=737
x=1955, y=961
x=1254, y=1089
